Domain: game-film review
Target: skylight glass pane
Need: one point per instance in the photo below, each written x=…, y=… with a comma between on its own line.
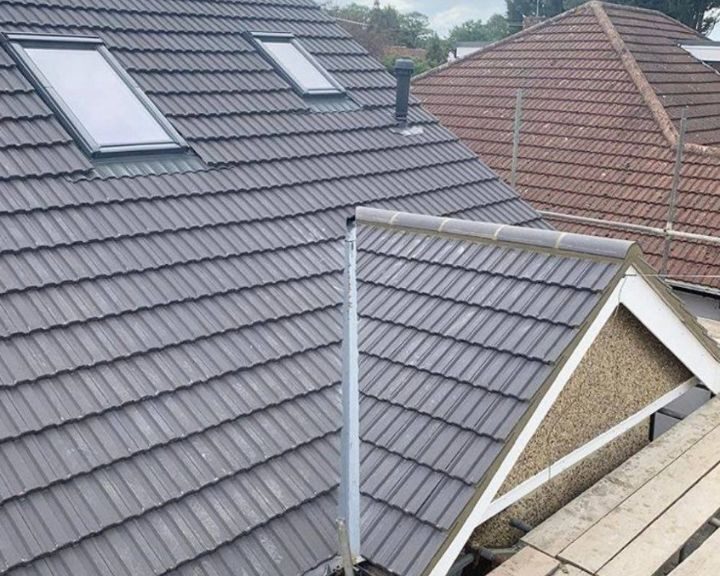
x=298, y=66
x=100, y=99
x=704, y=52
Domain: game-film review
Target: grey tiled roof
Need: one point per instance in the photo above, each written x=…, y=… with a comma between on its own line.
x=461, y=323
x=169, y=329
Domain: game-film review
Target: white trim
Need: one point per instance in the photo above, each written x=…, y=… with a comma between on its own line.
x=445, y=562
x=531, y=484
x=652, y=311
x=703, y=52
x=638, y=296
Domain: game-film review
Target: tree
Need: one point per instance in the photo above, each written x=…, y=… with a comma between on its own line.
x=518, y=9
x=350, y=13
x=497, y=27
x=382, y=27
x=413, y=30
x=478, y=31
x=693, y=13
x=437, y=51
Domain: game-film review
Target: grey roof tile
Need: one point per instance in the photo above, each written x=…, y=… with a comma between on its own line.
x=170, y=336
x=460, y=325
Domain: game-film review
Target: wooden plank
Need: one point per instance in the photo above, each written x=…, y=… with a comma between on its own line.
x=659, y=542
x=527, y=562
x=705, y=561
x=568, y=524
x=569, y=570
x=618, y=528
x=712, y=327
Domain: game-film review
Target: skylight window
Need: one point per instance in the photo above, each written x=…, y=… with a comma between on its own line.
x=706, y=52
x=93, y=95
x=297, y=65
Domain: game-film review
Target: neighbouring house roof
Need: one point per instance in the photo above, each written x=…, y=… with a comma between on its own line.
x=464, y=326
x=170, y=326
x=604, y=89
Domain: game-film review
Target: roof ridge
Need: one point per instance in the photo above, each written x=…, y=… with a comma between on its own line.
x=524, y=32
x=642, y=10
x=647, y=92
x=530, y=238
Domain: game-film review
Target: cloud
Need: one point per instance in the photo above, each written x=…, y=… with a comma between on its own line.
x=400, y=5
x=443, y=14
x=443, y=21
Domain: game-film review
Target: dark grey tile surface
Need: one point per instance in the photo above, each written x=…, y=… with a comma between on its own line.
x=457, y=336
x=170, y=331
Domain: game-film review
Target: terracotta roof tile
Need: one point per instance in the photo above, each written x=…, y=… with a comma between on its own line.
x=592, y=144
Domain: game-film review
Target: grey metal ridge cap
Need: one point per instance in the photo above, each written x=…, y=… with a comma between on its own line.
x=546, y=240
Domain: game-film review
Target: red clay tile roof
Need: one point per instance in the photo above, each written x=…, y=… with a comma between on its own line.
x=604, y=88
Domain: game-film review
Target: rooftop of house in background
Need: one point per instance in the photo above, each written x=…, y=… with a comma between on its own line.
x=604, y=87
x=653, y=512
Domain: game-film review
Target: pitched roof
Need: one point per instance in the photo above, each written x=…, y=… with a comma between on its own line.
x=604, y=88
x=462, y=327
x=169, y=335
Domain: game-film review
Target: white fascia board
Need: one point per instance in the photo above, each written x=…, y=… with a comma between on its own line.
x=638, y=296
x=478, y=512
x=534, y=482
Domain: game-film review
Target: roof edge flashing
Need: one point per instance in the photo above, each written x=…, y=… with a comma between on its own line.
x=544, y=240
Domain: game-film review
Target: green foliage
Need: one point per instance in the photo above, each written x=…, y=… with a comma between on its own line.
x=478, y=31
x=692, y=13
x=413, y=30
x=437, y=51
x=352, y=12
x=517, y=9
x=378, y=28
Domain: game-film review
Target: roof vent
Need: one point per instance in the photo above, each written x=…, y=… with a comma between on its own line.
x=404, y=68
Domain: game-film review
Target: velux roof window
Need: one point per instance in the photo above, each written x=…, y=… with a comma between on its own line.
x=297, y=65
x=94, y=97
x=705, y=51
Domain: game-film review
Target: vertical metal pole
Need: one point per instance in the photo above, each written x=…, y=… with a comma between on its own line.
x=516, y=137
x=345, y=554
x=651, y=428
x=672, y=203
x=350, y=437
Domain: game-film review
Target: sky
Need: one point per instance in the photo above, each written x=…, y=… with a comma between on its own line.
x=444, y=14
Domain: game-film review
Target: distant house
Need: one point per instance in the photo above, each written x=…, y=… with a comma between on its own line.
x=175, y=184
x=604, y=87
x=463, y=49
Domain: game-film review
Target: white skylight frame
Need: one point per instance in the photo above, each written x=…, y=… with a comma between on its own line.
x=17, y=45
x=705, y=52
x=261, y=39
